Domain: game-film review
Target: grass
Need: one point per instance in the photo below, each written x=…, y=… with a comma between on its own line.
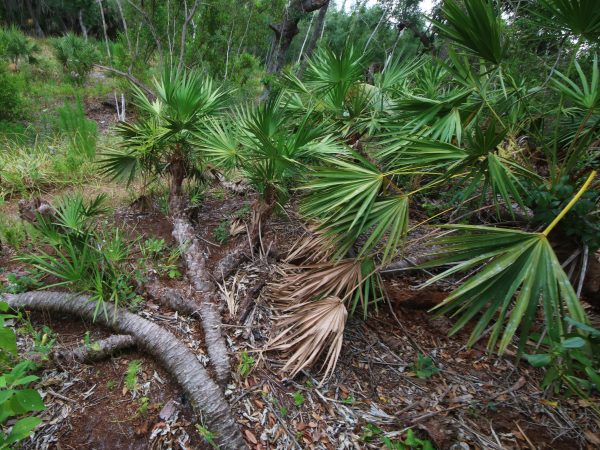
x=45, y=165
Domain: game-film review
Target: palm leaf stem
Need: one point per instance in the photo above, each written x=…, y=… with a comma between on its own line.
x=574, y=200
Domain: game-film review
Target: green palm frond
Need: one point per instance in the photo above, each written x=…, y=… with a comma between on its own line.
x=218, y=143
x=512, y=263
x=580, y=17
x=476, y=26
x=585, y=95
x=343, y=189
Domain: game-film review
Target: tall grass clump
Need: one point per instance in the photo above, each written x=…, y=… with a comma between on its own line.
x=80, y=131
x=41, y=165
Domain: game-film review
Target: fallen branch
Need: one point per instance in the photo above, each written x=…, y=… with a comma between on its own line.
x=130, y=77
x=183, y=365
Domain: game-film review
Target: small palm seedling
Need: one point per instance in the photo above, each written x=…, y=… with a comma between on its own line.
x=424, y=367
x=246, y=364
x=80, y=255
x=131, y=376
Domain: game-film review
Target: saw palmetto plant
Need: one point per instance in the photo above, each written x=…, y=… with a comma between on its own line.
x=161, y=141
x=463, y=125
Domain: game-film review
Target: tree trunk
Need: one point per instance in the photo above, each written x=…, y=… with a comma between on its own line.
x=181, y=363
x=286, y=31
x=177, y=171
x=316, y=34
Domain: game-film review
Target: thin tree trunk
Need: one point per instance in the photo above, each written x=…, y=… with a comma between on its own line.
x=181, y=363
x=316, y=35
x=82, y=25
x=184, y=34
x=239, y=50
x=383, y=16
x=312, y=19
x=104, y=29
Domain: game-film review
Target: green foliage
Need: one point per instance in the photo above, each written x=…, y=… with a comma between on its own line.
x=144, y=403
x=246, y=364
x=80, y=131
x=409, y=442
x=209, y=436
x=476, y=26
x=370, y=432
x=76, y=55
x=572, y=360
x=15, y=46
x=18, y=285
x=131, y=376
x=580, y=223
x=298, y=398
x=11, y=101
x=164, y=134
x=222, y=232
x=13, y=232
x=424, y=367
x=512, y=263
x=82, y=256
x=580, y=17
x=16, y=400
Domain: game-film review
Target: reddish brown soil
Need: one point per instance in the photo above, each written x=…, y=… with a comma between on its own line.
x=109, y=418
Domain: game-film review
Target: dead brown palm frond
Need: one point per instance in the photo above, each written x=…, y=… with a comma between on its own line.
x=308, y=330
x=302, y=284
x=312, y=247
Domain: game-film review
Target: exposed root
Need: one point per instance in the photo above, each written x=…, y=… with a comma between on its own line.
x=97, y=351
x=204, y=393
x=174, y=299
x=209, y=315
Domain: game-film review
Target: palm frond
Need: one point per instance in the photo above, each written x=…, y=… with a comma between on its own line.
x=309, y=330
x=580, y=17
x=476, y=26
x=511, y=263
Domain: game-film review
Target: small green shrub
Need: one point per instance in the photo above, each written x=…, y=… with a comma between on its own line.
x=572, y=362
x=76, y=56
x=222, y=232
x=82, y=256
x=298, y=398
x=11, y=101
x=246, y=364
x=131, y=376
x=12, y=232
x=424, y=367
x=15, y=46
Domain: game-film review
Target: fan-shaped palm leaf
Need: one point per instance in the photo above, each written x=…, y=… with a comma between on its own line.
x=475, y=26
x=513, y=262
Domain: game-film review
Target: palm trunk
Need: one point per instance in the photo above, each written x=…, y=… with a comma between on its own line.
x=195, y=261
x=205, y=394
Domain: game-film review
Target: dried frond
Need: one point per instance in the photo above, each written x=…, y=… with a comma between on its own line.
x=302, y=284
x=308, y=330
x=312, y=247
